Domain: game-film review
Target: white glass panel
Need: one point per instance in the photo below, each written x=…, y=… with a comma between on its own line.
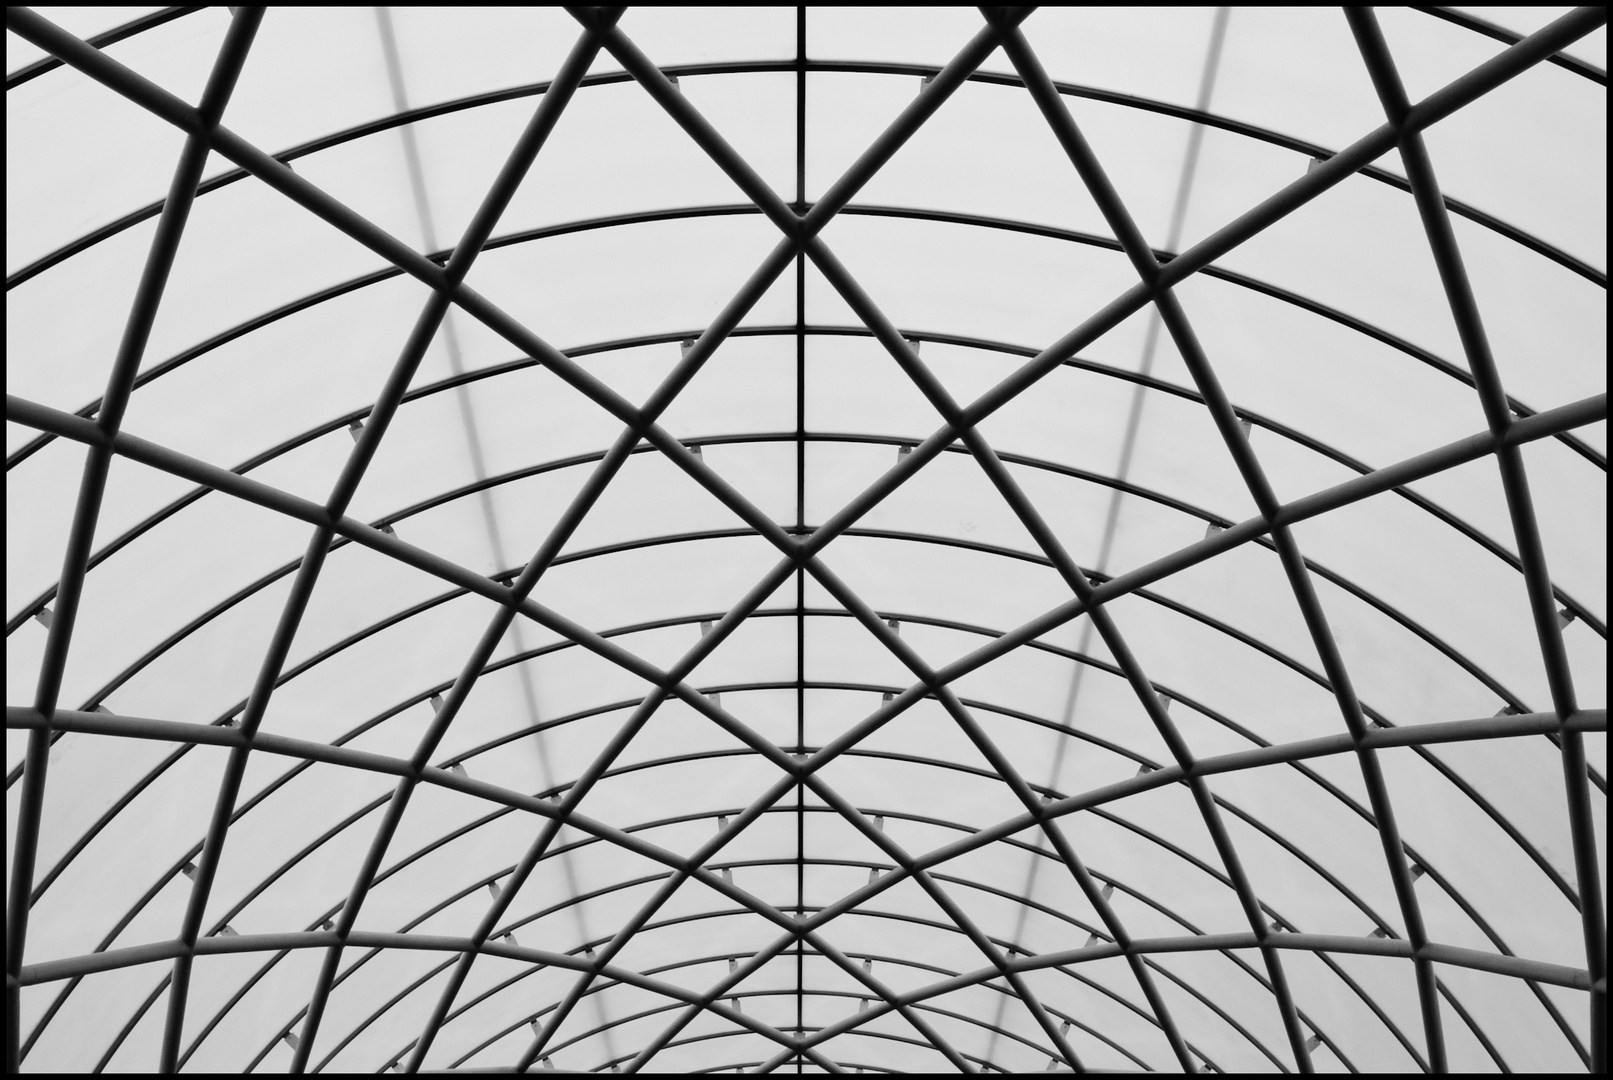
x=654, y=278
x=69, y=360
x=891, y=34
x=1158, y=54
x=104, y=994
x=125, y=160
x=1328, y=96
x=82, y=21
x=40, y=497
x=1330, y=332
x=958, y=279
x=446, y=55
x=1540, y=319
x=127, y=856
x=179, y=55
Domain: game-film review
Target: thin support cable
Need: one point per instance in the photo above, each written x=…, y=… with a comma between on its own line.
x=1304, y=591
x=1128, y=442
x=514, y=171
x=462, y=399
x=800, y=208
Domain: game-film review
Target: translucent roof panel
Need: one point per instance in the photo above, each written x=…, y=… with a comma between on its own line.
x=806, y=539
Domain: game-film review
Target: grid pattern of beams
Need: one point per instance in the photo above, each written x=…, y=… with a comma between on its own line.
x=1007, y=968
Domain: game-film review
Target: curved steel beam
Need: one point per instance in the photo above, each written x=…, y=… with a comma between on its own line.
x=34, y=607
x=1333, y=172
x=1510, y=700
x=949, y=1014
x=684, y=919
x=244, y=943
x=1482, y=803
x=229, y=914
x=627, y=884
x=1515, y=486
x=223, y=73
x=1118, y=999
x=1508, y=37
x=1268, y=289
x=639, y=423
x=1571, y=978
x=879, y=958
x=1131, y=101
x=123, y=32
x=798, y=230
x=1496, y=726
x=1553, y=974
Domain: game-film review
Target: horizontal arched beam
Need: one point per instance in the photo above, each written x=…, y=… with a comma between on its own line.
x=1185, y=610
x=1425, y=504
x=308, y=750
x=1510, y=700
x=1468, y=21
x=397, y=517
x=1438, y=644
x=1333, y=881
x=1450, y=732
x=1594, y=403
x=111, y=725
x=1123, y=751
x=1284, y=753
x=696, y=961
x=1457, y=956
x=1268, y=289
x=1450, y=370
x=123, y=32
x=1552, y=974
x=1440, y=104
x=53, y=970
x=1472, y=669
x=849, y=996
x=876, y=958
x=892, y=814
x=1131, y=101
x=519, y=924
x=111, y=959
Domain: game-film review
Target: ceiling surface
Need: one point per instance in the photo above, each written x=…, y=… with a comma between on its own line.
x=806, y=538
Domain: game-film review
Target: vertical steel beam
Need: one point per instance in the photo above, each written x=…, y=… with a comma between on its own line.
x=800, y=208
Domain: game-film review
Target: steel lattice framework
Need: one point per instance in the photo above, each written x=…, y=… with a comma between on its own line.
x=1007, y=966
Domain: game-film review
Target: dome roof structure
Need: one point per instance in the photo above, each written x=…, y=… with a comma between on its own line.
x=806, y=539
